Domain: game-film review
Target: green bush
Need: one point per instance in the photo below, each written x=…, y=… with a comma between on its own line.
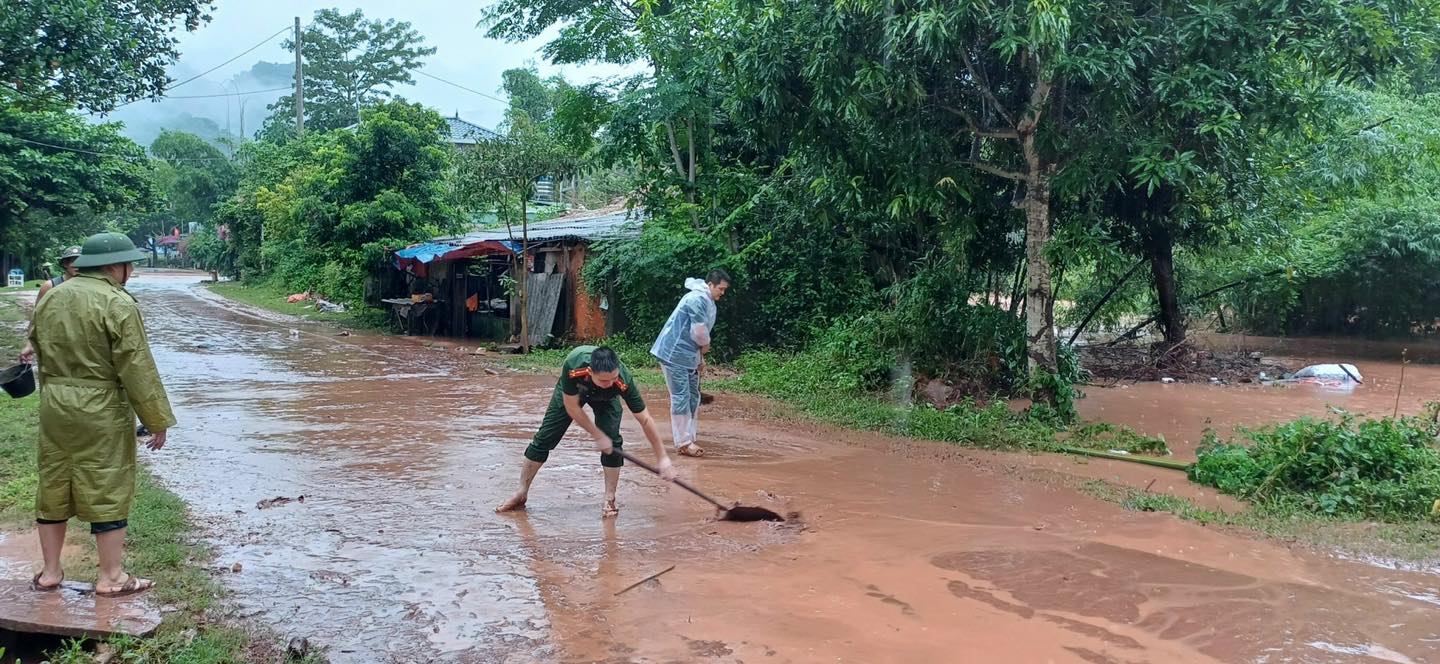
x=1387, y=469
x=1106, y=436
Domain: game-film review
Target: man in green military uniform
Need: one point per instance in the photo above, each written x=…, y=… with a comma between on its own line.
x=96, y=374
x=595, y=377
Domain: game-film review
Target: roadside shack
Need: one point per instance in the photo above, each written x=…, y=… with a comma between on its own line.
x=466, y=282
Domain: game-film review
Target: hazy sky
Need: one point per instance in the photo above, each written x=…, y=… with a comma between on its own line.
x=464, y=55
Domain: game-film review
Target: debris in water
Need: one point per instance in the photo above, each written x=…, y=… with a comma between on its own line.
x=342, y=334
x=1167, y=380
x=642, y=581
x=327, y=575
x=277, y=501
x=492, y=372
x=236, y=568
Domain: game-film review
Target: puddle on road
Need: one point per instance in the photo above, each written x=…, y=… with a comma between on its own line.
x=395, y=554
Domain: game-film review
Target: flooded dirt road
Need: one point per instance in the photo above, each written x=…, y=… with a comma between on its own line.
x=907, y=552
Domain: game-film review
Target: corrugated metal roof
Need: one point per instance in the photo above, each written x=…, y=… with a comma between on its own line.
x=462, y=132
x=457, y=131
x=608, y=226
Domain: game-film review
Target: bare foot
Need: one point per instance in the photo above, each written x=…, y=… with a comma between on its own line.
x=692, y=450
x=516, y=502
x=610, y=510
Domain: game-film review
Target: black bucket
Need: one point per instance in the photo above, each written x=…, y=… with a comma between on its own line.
x=18, y=381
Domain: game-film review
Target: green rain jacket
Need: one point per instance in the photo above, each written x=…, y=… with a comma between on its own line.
x=96, y=374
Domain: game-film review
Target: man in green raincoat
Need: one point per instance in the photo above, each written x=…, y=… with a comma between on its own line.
x=96, y=374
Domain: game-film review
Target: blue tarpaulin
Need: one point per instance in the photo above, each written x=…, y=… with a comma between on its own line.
x=426, y=252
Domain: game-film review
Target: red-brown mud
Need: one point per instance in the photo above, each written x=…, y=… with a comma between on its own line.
x=907, y=552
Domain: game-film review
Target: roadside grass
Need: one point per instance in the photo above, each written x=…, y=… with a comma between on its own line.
x=1415, y=541
x=636, y=356
x=31, y=285
x=271, y=297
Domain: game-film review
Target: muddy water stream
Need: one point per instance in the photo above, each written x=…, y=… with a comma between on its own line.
x=907, y=553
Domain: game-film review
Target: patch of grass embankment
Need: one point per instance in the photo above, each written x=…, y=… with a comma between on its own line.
x=1369, y=487
x=271, y=297
x=636, y=356
x=836, y=393
x=159, y=546
x=1414, y=541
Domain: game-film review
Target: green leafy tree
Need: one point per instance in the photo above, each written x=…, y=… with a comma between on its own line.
x=1201, y=102
x=194, y=176
x=350, y=63
x=202, y=175
x=60, y=175
x=92, y=53
x=500, y=174
x=570, y=116
x=318, y=213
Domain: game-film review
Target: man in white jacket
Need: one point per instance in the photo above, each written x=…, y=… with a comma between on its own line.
x=681, y=349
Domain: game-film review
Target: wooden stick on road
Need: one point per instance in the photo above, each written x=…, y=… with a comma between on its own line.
x=642, y=581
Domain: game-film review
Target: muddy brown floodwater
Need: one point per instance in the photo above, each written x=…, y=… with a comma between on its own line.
x=1182, y=411
x=907, y=552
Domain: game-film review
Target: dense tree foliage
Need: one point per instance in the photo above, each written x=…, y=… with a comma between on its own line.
x=92, y=54
x=946, y=143
x=318, y=213
x=60, y=176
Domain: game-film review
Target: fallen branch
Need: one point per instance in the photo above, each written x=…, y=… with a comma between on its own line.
x=637, y=584
x=1199, y=297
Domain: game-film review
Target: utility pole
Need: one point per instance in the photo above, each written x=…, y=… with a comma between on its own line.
x=299, y=82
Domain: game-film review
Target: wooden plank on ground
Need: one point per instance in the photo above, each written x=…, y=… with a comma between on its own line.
x=74, y=611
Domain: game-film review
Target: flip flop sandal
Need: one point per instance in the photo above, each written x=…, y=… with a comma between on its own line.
x=130, y=587
x=35, y=583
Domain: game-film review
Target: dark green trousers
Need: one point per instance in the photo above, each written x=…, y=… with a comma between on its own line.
x=557, y=421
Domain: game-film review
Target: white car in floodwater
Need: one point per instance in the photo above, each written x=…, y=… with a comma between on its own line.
x=1328, y=374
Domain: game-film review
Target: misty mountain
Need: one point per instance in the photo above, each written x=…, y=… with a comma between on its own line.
x=211, y=109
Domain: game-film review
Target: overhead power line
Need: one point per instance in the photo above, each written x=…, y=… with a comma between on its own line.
x=208, y=71
x=229, y=94
x=452, y=83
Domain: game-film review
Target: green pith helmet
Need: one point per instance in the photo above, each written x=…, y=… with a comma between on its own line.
x=69, y=253
x=103, y=249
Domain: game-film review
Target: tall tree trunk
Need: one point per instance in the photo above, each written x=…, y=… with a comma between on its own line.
x=1040, y=312
x=1161, y=253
